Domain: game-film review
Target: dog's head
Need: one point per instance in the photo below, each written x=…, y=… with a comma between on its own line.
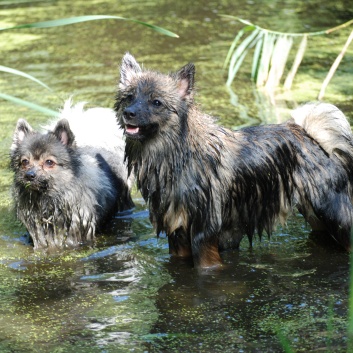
x=43, y=161
x=149, y=103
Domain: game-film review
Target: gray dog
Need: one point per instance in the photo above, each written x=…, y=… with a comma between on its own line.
x=207, y=186
x=70, y=179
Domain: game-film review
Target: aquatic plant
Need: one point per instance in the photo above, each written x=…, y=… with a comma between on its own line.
x=59, y=23
x=271, y=52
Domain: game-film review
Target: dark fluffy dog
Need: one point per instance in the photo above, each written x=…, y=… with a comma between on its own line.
x=69, y=180
x=207, y=186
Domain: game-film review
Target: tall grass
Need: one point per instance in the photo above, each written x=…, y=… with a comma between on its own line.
x=270, y=54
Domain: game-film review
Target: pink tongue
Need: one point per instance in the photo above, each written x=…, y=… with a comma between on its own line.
x=132, y=129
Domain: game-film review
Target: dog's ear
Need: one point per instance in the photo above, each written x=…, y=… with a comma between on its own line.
x=185, y=78
x=63, y=133
x=129, y=68
x=22, y=130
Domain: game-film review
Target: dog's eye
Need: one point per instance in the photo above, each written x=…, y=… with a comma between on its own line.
x=49, y=163
x=157, y=103
x=24, y=162
x=129, y=98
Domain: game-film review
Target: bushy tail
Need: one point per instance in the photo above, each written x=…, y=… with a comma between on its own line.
x=327, y=125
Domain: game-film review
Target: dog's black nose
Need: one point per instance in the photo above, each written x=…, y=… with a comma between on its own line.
x=30, y=175
x=129, y=113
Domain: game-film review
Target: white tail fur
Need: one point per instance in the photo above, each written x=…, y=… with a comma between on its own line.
x=326, y=124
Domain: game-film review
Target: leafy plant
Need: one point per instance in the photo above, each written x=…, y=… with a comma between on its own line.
x=270, y=54
x=56, y=23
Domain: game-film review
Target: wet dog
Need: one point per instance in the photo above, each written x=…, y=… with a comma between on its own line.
x=207, y=187
x=69, y=180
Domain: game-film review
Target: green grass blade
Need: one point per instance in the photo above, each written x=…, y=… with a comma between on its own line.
x=257, y=56
x=239, y=19
x=155, y=28
x=238, y=55
x=334, y=67
x=297, y=61
x=23, y=74
x=232, y=47
x=319, y=33
x=278, y=61
x=266, y=55
x=236, y=67
x=271, y=54
x=235, y=42
x=78, y=19
x=30, y=105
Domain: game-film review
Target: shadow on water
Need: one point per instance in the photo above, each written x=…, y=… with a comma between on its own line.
x=125, y=294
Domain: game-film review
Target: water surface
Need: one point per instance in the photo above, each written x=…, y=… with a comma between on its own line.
x=125, y=294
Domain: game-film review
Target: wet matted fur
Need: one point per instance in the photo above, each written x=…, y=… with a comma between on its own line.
x=70, y=179
x=207, y=186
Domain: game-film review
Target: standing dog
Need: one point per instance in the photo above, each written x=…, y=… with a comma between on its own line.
x=69, y=180
x=207, y=186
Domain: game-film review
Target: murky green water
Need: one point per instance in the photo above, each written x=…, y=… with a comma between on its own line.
x=126, y=294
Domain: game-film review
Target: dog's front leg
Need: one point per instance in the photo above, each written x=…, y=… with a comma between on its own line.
x=205, y=252
x=179, y=244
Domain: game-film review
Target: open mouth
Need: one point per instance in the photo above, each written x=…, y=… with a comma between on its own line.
x=141, y=132
x=132, y=129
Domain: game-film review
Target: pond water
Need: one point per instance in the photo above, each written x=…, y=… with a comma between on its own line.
x=126, y=294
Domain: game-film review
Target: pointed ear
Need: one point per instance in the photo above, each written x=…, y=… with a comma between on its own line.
x=63, y=133
x=129, y=68
x=185, y=80
x=22, y=130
